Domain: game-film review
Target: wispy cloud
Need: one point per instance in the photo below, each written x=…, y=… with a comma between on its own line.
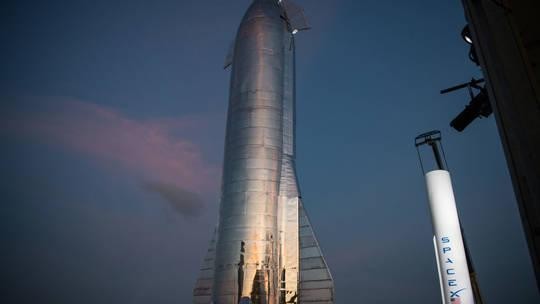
x=181, y=200
x=155, y=150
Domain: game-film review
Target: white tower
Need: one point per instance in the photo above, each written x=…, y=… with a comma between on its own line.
x=447, y=239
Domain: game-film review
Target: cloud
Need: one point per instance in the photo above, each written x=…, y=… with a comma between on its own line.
x=158, y=151
x=184, y=202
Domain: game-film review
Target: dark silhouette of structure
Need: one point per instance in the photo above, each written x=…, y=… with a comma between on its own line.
x=505, y=42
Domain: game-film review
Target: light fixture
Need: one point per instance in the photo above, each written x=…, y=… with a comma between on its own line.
x=479, y=106
x=466, y=35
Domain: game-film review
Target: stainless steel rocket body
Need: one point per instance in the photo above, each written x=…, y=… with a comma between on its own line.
x=247, y=235
x=257, y=252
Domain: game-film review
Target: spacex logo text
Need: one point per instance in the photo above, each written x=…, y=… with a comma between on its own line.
x=450, y=272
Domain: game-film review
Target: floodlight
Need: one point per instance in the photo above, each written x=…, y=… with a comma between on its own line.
x=478, y=106
x=466, y=35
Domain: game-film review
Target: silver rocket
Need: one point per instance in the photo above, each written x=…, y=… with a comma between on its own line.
x=264, y=250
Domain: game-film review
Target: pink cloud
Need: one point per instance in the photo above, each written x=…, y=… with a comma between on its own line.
x=152, y=149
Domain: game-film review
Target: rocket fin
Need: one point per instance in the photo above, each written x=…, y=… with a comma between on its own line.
x=202, y=293
x=295, y=16
x=316, y=283
x=229, y=57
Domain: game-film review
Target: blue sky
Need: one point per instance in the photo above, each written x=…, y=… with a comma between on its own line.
x=112, y=128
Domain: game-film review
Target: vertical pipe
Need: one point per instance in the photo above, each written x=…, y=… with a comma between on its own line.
x=437, y=155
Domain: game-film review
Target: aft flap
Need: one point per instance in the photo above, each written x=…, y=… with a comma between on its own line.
x=229, y=57
x=316, y=283
x=202, y=293
x=295, y=16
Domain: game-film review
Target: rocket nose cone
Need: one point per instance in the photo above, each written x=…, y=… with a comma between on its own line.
x=263, y=8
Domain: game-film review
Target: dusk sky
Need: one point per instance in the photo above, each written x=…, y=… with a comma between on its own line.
x=112, y=124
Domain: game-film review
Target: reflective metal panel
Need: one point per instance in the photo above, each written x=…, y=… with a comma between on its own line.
x=264, y=250
x=246, y=266
x=316, y=283
x=202, y=293
x=288, y=188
